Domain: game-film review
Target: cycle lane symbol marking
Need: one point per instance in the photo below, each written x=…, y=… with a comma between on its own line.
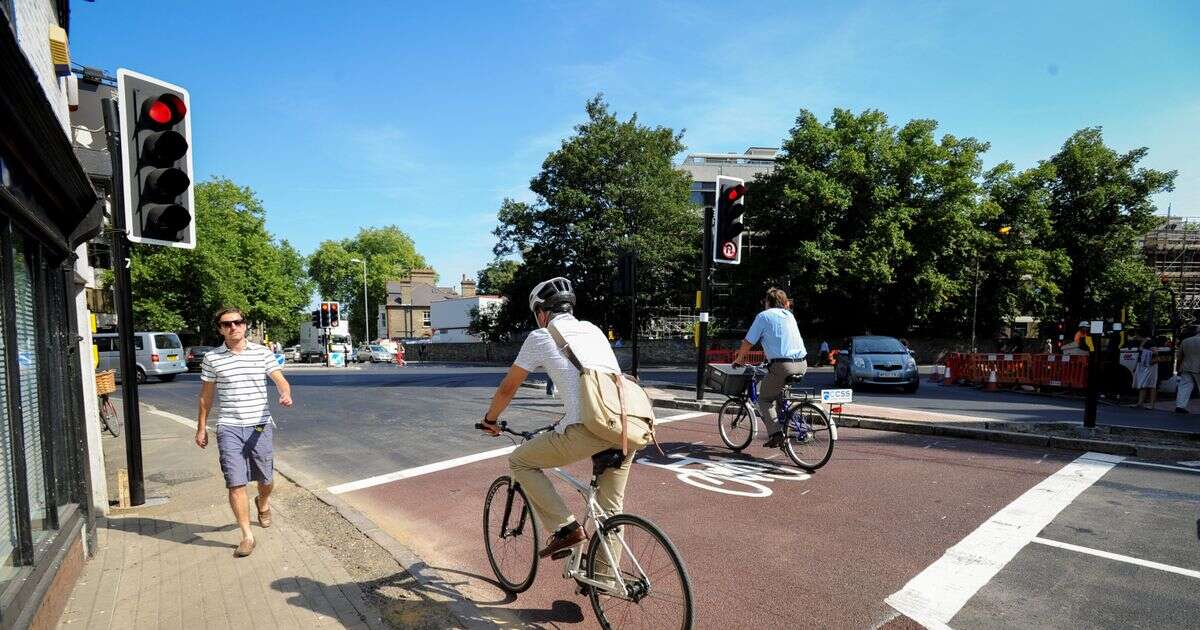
x=722, y=474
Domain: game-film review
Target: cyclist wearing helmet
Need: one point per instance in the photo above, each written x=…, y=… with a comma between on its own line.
x=784, y=348
x=552, y=303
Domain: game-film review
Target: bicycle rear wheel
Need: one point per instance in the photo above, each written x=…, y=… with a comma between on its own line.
x=735, y=421
x=109, y=419
x=510, y=535
x=808, y=438
x=658, y=592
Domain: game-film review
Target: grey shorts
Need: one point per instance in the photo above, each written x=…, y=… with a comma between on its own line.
x=247, y=454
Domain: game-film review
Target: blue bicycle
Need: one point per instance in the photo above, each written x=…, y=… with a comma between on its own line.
x=808, y=430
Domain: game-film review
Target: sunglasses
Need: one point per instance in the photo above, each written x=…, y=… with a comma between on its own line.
x=232, y=322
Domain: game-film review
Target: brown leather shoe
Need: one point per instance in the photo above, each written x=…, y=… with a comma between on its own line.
x=244, y=548
x=559, y=542
x=264, y=516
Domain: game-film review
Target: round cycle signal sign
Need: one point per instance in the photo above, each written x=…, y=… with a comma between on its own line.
x=729, y=250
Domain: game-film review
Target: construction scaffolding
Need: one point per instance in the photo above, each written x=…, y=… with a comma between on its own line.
x=1173, y=250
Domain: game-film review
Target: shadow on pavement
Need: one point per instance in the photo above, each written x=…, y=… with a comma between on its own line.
x=168, y=530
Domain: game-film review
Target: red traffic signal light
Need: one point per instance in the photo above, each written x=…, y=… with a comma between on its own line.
x=727, y=220
x=735, y=192
x=334, y=317
x=163, y=111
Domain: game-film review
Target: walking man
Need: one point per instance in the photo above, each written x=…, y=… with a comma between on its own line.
x=237, y=373
x=1188, y=365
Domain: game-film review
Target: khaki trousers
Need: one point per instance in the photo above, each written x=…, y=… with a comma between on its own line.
x=554, y=449
x=772, y=388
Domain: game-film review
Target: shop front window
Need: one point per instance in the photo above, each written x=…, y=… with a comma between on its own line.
x=8, y=506
x=31, y=403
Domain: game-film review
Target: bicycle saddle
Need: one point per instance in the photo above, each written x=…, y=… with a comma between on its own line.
x=602, y=461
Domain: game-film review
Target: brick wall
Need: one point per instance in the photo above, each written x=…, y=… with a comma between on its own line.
x=33, y=21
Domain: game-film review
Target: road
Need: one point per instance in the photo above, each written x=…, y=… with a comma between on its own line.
x=897, y=531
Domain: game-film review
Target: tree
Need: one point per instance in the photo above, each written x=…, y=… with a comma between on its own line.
x=389, y=254
x=495, y=278
x=610, y=186
x=868, y=226
x=1099, y=207
x=485, y=322
x=236, y=262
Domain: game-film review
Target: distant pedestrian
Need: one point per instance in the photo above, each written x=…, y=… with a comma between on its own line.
x=400, y=355
x=1187, y=363
x=1048, y=347
x=823, y=357
x=1145, y=375
x=237, y=373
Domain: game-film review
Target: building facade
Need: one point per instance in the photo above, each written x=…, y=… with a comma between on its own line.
x=408, y=304
x=1173, y=251
x=705, y=167
x=451, y=317
x=48, y=211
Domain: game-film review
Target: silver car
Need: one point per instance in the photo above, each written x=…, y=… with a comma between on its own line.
x=379, y=354
x=159, y=354
x=874, y=360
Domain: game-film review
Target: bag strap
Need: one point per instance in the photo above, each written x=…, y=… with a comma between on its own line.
x=562, y=346
x=617, y=379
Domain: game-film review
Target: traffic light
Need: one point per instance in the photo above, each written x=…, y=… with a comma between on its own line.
x=727, y=220
x=316, y=318
x=622, y=283
x=334, y=317
x=156, y=160
x=324, y=314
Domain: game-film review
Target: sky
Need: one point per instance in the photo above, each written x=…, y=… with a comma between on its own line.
x=426, y=116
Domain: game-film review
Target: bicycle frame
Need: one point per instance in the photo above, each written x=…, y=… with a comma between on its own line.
x=781, y=411
x=596, y=516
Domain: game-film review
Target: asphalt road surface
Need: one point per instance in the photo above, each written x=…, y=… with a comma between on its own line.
x=897, y=531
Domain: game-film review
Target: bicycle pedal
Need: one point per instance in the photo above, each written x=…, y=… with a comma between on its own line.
x=560, y=554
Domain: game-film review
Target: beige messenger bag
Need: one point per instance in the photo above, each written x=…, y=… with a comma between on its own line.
x=611, y=406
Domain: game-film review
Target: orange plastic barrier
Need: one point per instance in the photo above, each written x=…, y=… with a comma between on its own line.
x=718, y=355
x=1039, y=370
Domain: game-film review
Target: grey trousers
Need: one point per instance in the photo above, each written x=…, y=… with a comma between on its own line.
x=772, y=388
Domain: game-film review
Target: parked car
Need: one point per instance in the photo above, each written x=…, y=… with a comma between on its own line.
x=195, y=355
x=362, y=353
x=158, y=354
x=292, y=353
x=379, y=354
x=876, y=360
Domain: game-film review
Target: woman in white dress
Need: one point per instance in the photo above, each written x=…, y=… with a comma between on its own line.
x=1145, y=375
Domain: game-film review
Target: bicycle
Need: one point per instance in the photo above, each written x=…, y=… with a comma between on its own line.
x=808, y=431
x=510, y=532
x=109, y=419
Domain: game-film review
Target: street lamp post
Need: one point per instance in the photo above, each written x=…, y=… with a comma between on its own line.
x=366, y=308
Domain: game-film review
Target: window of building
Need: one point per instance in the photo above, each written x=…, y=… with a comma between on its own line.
x=425, y=318
x=8, y=506
x=25, y=264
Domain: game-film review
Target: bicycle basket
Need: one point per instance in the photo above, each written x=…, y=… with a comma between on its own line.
x=725, y=379
x=106, y=382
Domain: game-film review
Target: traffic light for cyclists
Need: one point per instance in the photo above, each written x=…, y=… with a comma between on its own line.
x=727, y=220
x=156, y=160
x=334, y=317
x=316, y=318
x=324, y=314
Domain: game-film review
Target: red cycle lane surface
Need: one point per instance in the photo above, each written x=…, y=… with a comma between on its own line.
x=765, y=547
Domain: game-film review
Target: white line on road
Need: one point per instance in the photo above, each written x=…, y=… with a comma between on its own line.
x=934, y=596
x=458, y=461
x=1116, y=556
x=1167, y=466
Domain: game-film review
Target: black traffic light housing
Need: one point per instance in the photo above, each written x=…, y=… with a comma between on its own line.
x=324, y=314
x=335, y=317
x=316, y=318
x=156, y=160
x=727, y=220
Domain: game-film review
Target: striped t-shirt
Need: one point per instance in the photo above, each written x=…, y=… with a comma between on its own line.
x=241, y=380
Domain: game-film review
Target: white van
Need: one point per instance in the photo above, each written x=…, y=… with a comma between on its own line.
x=159, y=354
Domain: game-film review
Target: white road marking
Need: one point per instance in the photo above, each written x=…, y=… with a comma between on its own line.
x=934, y=596
x=456, y=462
x=1195, y=463
x=1167, y=466
x=1119, y=557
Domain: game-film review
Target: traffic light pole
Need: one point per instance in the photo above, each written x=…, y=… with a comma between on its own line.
x=633, y=318
x=705, y=272
x=120, y=257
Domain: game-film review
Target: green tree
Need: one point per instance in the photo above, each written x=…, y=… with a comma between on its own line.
x=868, y=225
x=236, y=262
x=495, y=278
x=1099, y=207
x=609, y=186
x=389, y=254
x=485, y=322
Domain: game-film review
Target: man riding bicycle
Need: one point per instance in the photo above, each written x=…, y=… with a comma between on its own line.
x=552, y=303
x=783, y=346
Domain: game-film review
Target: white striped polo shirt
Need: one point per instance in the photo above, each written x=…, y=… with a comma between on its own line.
x=241, y=380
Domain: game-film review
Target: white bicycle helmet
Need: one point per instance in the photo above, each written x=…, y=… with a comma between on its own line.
x=550, y=294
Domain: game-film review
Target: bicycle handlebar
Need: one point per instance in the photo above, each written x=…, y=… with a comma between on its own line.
x=528, y=435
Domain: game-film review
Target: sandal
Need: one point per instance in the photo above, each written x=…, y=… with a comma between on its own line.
x=244, y=548
x=264, y=516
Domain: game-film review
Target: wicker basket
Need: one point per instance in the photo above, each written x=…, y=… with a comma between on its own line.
x=106, y=382
x=725, y=379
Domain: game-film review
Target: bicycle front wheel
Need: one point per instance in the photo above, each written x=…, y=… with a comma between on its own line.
x=735, y=421
x=510, y=535
x=808, y=437
x=658, y=592
x=109, y=418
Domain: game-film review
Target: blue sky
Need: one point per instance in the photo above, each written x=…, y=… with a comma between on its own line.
x=343, y=115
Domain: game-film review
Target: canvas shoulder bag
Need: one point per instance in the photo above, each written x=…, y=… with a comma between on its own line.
x=612, y=407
